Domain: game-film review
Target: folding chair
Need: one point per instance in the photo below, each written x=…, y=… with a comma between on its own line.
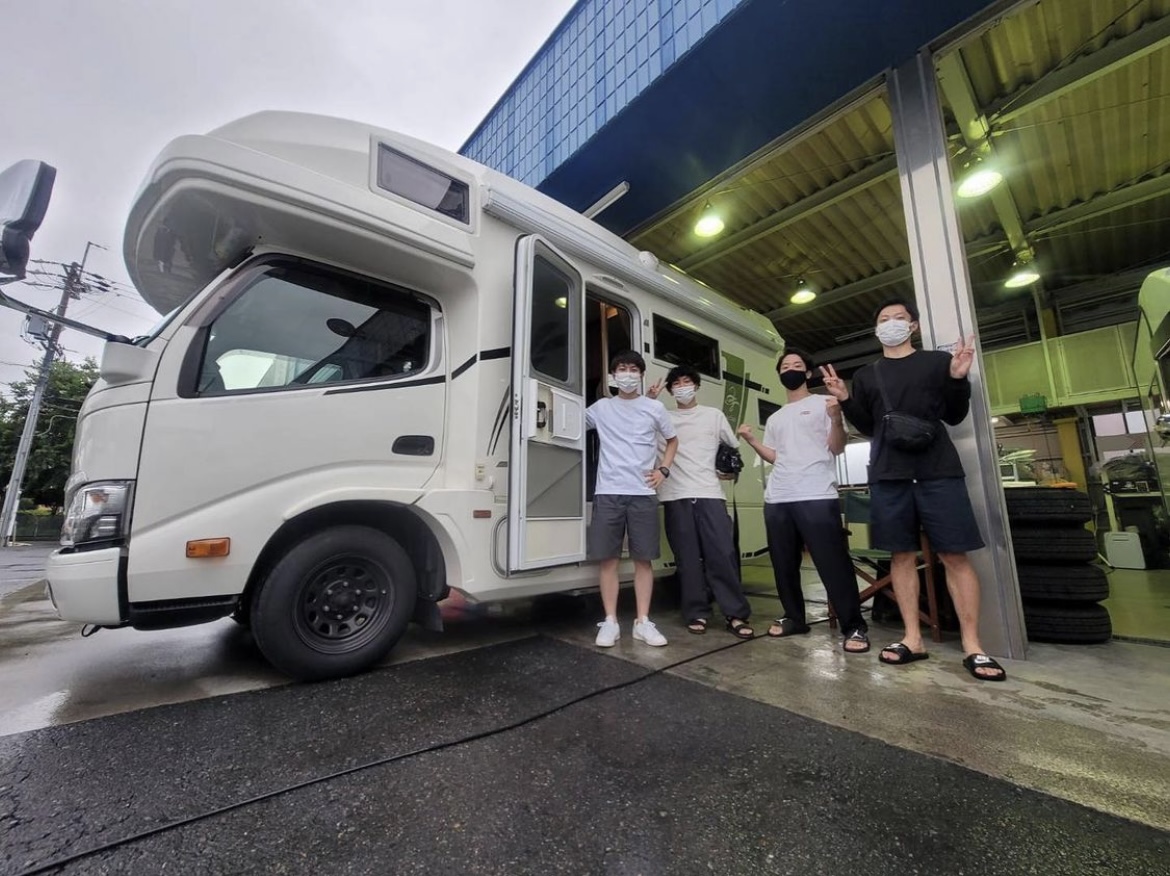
x=868, y=563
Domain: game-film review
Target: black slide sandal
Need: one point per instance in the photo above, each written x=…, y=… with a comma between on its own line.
x=981, y=661
x=904, y=655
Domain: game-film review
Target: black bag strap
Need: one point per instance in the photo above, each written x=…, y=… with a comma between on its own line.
x=881, y=385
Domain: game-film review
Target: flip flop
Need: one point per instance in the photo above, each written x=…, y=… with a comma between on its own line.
x=698, y=626
x=905, y=655
x=788, y=627
x=981, y=661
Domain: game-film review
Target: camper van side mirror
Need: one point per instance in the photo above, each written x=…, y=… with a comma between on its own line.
x=25, y=189
x=127, y=363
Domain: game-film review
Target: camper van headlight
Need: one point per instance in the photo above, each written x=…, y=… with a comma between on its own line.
x=99, y=513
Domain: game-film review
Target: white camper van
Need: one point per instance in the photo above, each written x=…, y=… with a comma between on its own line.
x=369, y=388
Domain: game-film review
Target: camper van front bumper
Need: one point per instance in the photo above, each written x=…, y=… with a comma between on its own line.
x=83, y=586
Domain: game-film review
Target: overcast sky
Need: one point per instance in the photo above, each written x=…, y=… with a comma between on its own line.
x=96, y=88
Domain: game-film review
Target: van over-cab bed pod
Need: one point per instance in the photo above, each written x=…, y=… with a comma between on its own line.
x=301, y=183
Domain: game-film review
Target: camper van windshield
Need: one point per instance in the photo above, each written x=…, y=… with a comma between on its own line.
x=143, y=340
x=296, y=324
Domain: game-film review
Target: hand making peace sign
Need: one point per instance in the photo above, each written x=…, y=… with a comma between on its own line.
x=834, y=384
x=962, y=357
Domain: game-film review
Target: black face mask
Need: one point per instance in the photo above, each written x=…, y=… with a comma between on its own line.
x=793, y=379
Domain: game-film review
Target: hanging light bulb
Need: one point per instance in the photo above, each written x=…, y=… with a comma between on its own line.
x=1023, y=273
x=979, y=178
x=803, y=294
x=709, y=223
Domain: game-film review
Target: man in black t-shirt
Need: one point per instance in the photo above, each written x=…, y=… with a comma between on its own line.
x=922, y=488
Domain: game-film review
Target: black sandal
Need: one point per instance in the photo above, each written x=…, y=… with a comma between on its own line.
x=855, y=636
x=902, y=654
x=698, y=626
x=788, y=627
x=739, y=628
x=973, y=662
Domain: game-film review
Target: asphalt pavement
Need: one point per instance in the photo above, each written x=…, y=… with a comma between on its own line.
x=23, y=565
x=534, y=756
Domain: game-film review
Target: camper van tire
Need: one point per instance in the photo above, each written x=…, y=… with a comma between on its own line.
x=335, y=604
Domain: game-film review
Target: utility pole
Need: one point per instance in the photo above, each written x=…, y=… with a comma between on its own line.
x=70, y=289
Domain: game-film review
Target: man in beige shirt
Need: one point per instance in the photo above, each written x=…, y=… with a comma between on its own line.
x=697, y=524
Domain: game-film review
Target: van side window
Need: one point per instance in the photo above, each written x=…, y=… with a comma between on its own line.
x=556, y=325
x=298, y=325
x=767, y=408
x=678, y=345
x=423, y=185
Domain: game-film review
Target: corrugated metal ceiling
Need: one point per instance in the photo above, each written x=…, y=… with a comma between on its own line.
x=1076, y=96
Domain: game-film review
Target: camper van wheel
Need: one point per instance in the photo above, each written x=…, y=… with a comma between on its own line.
x=335, y=604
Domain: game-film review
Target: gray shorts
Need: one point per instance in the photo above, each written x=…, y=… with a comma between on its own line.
x=615, y=517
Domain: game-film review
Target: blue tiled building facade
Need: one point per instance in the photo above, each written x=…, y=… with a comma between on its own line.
x=603, y=55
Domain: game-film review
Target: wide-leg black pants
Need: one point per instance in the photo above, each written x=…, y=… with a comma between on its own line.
x=815, y=524
x=703, y=542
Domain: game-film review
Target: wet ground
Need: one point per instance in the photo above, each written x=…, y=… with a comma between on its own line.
x=22, y=565
x=466, y=753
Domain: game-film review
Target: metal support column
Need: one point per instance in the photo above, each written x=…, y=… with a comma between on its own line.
x=943, y=288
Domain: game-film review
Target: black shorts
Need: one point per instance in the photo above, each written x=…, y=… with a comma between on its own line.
x=941, y=507
x=615, y=518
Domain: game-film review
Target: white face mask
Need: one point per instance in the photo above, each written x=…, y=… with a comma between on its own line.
x=893, y=332
x=684, y=394
x=627, y=382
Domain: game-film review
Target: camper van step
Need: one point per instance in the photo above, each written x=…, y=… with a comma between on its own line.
x=167, y=613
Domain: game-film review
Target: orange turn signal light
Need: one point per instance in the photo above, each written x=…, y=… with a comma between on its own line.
x=208, y=547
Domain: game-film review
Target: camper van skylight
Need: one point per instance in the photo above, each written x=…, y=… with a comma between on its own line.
x=423, y=185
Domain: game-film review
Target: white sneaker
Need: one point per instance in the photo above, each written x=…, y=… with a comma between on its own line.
x=645, y=631
x=608, y=632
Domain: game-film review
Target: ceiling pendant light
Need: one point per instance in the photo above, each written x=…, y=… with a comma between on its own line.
x=979, y=178
x=709, y=223
x=803, y=294
x=1023, y=273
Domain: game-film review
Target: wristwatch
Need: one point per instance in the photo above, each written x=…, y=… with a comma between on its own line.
x=664, y=471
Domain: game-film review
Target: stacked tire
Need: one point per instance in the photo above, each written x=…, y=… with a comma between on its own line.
x=1060, y=585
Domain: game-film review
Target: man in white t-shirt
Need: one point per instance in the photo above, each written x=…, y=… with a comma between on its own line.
x=625, y=504
x=801, y=507
x=697, y=524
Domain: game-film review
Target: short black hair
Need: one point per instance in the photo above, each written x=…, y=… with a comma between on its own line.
x=629, y=357
x=911, y=308
x=680, y=371
x=809, y=364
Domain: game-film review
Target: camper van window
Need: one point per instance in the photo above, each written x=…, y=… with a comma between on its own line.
x=678, y=345
x=430, y=188
x=556, y=328
x=299, y=325
x=767, y=408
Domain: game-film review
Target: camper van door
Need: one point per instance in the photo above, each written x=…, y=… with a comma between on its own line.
x=546, y=490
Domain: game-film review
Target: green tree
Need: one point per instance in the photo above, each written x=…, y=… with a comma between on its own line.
x=52, y=448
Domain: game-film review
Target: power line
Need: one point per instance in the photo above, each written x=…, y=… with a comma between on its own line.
x=72, y=285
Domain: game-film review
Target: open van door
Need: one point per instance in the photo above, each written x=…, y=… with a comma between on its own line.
x=546, y=490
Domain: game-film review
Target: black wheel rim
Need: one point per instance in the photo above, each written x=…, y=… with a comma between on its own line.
x=343, y=604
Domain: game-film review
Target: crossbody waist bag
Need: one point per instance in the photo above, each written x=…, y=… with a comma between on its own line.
x=905, y=432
